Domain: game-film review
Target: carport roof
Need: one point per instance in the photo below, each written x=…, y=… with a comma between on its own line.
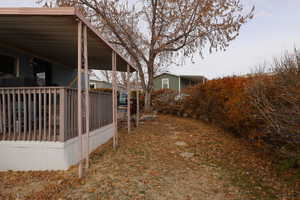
x=51, y=34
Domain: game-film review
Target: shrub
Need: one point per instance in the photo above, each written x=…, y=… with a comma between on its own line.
x=164, y=100
x=109, y=90
x=276, y=100
x=263, y=106
x=221, y=101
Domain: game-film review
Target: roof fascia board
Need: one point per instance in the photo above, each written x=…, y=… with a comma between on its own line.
x=65, y=11
x=166, y=74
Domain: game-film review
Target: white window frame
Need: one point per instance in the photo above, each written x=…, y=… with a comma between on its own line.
x=165, y=81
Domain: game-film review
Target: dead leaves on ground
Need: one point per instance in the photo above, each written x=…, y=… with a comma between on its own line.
x=148, y=165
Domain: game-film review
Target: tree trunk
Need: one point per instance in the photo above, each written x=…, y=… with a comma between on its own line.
x=148, y=107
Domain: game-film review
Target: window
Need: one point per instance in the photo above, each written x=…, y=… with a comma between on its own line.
x=165, y=83
x=7, y=65
x=92, y=85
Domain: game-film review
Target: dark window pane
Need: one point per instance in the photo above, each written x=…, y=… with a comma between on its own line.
x=7, y=64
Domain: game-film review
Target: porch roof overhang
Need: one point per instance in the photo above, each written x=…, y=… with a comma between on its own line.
x=51, y=34
x=193, y=77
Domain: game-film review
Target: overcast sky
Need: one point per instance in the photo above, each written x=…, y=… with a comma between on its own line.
x=275, y=29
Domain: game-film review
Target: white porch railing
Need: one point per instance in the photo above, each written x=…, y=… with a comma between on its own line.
x=48, y=113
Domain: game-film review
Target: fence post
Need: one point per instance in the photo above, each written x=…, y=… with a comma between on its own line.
x=62, y=114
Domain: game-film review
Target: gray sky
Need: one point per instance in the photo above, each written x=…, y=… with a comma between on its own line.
x=275, y=29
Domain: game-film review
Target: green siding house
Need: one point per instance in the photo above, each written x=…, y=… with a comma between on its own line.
x=176, y=82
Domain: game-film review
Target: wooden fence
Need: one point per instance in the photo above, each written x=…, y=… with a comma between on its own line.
x=48, y=113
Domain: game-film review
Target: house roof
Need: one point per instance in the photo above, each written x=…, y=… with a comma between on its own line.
x=51, y=34
x=188, y=77
x=94, y=77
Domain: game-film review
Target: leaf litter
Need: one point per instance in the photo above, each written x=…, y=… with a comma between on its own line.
x=149, y=165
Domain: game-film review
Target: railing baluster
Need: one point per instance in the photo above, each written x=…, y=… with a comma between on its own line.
x=55, y=113
x=3, y=114
x=75, y=113
x=25, y=114
x=91, y=111
x=75, y=124
x=50, y=115
x=45, y=114
x=1, y=111
x=69, y=118
x=9, y=114
x=34, y=115
x=14, y=114
x=29, y=115
x=19, y=124
x=40, y=114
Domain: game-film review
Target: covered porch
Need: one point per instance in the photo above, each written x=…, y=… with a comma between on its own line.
x=58, y=122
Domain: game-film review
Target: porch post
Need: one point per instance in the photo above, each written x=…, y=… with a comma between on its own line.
x=79, y=96
x=137, y=100
x=87, y=98
x=115, y=118
x=128, y=100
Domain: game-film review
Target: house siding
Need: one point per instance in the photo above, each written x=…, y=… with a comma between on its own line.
x=101, y=84
x=61, y=75
x=173, y=82
x=185, y=83
x=25, y=70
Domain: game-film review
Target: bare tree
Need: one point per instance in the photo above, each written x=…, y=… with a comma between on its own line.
x=121, y=78
x=154, y=32
x=54, y=3
x=106, y=75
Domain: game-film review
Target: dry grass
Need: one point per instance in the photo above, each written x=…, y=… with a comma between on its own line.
x=148, y=165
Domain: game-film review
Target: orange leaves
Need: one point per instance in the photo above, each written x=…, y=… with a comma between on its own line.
x=221, y=101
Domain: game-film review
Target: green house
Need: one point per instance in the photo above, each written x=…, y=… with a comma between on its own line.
x=176, y=82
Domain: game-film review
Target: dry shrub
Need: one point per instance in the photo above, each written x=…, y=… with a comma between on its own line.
x=108, y=90
x=276, y=99
x=264, y=106
x=221, y=101
x=164, y=101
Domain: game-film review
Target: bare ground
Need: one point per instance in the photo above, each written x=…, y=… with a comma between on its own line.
x=169, y=158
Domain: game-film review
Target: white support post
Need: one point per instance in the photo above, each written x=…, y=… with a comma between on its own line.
x=79, y=96
x=87, y=97
x=128, y=100
x=115, y=111
x=137, y=100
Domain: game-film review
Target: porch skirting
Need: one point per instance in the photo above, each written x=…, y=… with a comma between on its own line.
x=39, y=156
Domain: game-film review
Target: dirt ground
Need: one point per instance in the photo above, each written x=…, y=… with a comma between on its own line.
x=168, y=158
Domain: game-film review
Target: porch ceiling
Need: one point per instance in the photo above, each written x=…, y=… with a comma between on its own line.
x=51, y=34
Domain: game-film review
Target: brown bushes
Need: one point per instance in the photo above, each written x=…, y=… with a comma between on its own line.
x=276, y=100
x=264, y=107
